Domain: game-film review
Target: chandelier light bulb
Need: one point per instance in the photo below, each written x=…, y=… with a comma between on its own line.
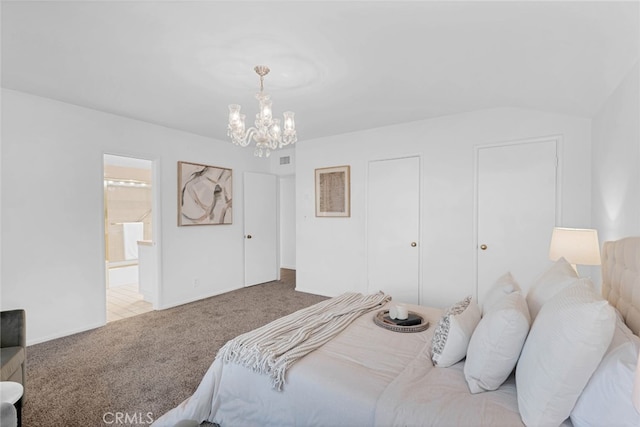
x=241, y=123
x=289, y=122
x=275, y=129
x=234, y=114
x=266, y=111
x=266, y=132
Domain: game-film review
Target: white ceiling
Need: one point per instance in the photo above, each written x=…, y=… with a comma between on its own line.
x=341, y=66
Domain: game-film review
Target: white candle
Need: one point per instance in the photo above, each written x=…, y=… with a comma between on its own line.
x=393, y=312
x=401, y=312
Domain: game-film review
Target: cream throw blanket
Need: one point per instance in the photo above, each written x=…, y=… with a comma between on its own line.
x=273, y=348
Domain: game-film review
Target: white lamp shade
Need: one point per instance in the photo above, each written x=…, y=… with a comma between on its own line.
x=576, y=245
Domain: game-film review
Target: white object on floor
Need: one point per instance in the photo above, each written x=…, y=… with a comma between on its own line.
x=10, y=391
x=8, y=415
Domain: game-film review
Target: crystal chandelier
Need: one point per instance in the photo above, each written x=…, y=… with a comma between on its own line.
x=267, y=132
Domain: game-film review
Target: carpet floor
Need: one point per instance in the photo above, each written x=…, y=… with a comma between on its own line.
x=141, y=367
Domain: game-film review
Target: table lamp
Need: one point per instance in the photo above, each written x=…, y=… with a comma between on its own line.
x=576, y=245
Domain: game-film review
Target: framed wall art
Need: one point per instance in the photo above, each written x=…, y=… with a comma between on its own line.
x=333, y=192
x=204, y=194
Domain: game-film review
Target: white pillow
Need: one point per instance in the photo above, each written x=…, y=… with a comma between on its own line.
x=606, y=400
x=564, y=347
x=496, y=343
x=505, y=285
x=454, y=330
x=560, y=276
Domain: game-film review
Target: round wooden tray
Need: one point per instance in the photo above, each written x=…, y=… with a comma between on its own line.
x=378, y=319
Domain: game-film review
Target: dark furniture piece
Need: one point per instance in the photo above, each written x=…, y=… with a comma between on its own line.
x=13, y=346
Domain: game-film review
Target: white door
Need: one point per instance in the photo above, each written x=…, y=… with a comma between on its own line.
x=260, y=228
x=393, y=224
x=516, y=195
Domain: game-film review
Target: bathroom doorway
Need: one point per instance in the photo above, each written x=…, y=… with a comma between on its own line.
x=128, y=203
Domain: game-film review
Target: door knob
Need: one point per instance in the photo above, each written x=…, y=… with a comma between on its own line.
x=483, y=247
x=414, y=244
x=248, y=236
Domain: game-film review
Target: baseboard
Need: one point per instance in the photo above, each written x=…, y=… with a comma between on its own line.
x=313, y=291
x=65, y=334
x=198, y=298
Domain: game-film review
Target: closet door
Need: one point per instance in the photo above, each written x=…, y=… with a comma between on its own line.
x=260, y=228
x=393, y=225
x=516, y=207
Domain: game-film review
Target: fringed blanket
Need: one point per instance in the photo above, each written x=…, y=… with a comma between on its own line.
x=273, y=348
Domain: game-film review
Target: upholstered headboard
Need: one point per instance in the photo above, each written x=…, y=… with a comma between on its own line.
x=621, y=278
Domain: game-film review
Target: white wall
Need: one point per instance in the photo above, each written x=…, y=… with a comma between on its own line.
x=331, y=252
x=616, y=162
x=279, y=169
x=286, y=204
x=52, y=212
x=287, y=212
x=51, y=206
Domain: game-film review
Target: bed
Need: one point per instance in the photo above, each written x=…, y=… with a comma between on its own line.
x=370, y=376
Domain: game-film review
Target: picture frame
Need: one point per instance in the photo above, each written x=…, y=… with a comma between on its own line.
x=333, y=191
x=205, y=194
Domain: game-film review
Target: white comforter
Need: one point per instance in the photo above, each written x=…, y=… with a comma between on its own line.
x=366, y=376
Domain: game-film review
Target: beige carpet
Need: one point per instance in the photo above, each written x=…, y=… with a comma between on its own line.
x=139, y=368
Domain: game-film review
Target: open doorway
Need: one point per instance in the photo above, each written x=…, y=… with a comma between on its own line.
x=128, y=202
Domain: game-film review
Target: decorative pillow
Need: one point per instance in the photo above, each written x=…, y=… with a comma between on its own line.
x=496, y=343
x=564, y=347
x=606, y=400
x=454, y=330
x=560, y=276
x=505, y=285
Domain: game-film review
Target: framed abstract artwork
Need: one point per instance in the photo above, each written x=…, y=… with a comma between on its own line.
x=204, y=194
x=333, y=192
